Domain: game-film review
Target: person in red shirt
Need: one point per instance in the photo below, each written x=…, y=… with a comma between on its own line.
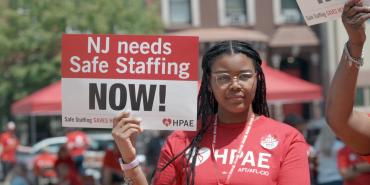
x=66, y=169
x=351, y=126
x=9, y=144
x=43, y=166
x=64, y=157
x=354, y=169
x=298, y=123
x=236, y=141
x=67, y=176
x=77, y=142
x=112, y=173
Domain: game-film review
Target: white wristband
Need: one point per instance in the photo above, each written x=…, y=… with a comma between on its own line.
x=130, y=165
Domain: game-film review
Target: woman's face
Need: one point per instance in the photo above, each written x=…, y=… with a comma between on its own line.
x=233, y=82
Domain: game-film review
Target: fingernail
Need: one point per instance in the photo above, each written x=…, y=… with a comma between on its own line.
x=139, y=119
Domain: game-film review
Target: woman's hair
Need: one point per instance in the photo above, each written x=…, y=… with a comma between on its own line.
x=207, y=104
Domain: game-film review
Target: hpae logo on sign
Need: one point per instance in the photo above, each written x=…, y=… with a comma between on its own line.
x=169, y=122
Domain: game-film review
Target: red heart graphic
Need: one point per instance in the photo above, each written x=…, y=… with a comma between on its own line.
x=166, y=121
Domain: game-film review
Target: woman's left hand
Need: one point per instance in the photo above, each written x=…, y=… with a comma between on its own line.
x=353, y=17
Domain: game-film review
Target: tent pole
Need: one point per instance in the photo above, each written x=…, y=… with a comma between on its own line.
x=33, y=129
x=279, y=111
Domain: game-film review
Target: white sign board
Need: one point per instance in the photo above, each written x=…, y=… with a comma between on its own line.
x=320, y=11
x=155, y=77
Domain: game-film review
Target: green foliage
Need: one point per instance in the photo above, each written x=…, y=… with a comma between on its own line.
x=31, y=30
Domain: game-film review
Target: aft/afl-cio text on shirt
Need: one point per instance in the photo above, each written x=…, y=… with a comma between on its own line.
x=153, y=76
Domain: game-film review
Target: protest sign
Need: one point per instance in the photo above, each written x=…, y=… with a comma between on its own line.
x=320, y=11
x=155, y=77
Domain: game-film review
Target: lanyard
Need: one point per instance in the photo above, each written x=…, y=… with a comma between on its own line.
x=236, y=158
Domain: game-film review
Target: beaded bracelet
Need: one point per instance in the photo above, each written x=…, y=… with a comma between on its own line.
x=352, y=60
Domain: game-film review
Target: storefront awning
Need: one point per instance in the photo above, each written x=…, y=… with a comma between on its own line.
x=221, y=34
x=288, y=36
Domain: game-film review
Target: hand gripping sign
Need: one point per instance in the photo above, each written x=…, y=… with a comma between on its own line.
x=153, y=76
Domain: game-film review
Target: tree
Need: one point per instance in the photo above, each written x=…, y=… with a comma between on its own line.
x=31, y=30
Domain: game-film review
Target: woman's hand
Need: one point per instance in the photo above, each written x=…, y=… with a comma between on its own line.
x=125, y=130
x=353, y=18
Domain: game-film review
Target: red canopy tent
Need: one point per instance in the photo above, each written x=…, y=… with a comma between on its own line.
x=285, y=88
x=281, y=87
x=46, y=101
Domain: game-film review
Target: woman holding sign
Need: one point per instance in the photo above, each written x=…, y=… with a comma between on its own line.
x=236, y=141
x=351, y=126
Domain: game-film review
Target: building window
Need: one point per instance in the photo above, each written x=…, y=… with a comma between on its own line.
x=180, y=12
x=360, y=99
x=287, y=11
x=236, y=12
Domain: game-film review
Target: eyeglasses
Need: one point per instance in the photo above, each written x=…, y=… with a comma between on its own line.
x=225, y=79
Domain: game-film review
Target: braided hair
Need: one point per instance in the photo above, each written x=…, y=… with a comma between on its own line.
x=207, y=104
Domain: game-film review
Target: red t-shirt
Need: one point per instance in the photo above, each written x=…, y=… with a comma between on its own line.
x=346, y=159
x=71, y=179
x=9, y=143
x=274, y=153
x=111, y=160
x=67, y=161
x=77, y=142
x=43, y=165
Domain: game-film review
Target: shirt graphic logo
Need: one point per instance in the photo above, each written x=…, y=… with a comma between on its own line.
x=269, y=142
x=203, y=154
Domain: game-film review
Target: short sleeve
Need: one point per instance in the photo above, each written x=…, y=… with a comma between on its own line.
x=342, y=159
x=295, y=168
x=168, y=174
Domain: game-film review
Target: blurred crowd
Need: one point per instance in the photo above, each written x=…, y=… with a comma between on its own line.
x=331, y=162
x=61, y=169
x=68, y=165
